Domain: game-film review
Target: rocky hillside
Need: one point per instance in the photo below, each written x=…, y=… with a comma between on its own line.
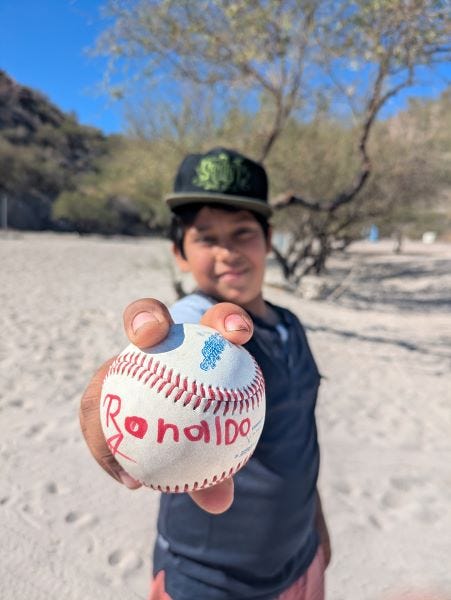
x=42, y=152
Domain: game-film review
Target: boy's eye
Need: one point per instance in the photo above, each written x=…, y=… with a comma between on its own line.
x=245, y=233
x=241, y=234
x=206, y=239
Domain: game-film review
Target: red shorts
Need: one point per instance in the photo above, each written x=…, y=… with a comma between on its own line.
x=308, y=587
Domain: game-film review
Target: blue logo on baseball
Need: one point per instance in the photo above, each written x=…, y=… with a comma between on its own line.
x=212, y=350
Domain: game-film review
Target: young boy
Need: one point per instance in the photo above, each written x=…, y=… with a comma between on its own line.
x=270, y=540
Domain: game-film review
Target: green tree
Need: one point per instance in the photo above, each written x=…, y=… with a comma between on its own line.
x=287, y=59
x=124, y=195
x=412, y=169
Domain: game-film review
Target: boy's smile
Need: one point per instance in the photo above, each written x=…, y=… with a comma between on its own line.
x=226, y=254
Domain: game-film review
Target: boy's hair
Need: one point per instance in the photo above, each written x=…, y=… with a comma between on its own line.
x=184, y=216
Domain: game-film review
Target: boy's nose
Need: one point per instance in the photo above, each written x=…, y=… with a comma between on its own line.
x=226, y=251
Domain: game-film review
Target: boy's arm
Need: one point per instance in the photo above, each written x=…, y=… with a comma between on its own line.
x=321, y=527
x=147, y=323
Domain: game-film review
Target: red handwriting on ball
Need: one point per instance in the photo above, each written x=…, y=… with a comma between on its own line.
x=222, y=432
x=113, y=408
x=137, y=426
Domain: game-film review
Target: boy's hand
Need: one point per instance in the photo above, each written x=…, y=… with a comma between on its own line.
x=147, y=323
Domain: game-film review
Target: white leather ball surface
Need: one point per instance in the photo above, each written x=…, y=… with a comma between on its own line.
x=185, y=414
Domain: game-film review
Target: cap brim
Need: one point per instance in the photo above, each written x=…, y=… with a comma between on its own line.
x=179, y=199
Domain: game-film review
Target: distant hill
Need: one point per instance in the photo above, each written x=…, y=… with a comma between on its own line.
x=42, y=152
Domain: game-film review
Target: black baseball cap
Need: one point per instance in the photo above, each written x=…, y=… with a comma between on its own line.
x=224, y=176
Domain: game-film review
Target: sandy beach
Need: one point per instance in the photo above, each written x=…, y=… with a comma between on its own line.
x=381, y=336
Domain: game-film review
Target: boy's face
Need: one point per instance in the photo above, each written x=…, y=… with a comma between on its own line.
x=226, y=254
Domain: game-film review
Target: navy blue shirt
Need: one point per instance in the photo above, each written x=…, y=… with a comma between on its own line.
x=267, y=539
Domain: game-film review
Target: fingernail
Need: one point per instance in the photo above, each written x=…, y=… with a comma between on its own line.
x=128, y=480
x=141, y=319
x=236, y=323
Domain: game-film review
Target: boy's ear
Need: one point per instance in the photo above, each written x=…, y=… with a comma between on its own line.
x=182, y=263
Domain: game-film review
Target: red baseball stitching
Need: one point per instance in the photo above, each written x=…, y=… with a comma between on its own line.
x=167, y=489
x=149, y=372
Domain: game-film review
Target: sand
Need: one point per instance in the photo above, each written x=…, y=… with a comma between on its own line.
x=382, y=340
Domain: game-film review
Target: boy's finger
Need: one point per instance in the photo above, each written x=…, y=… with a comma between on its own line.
x=92, y=430
x=146, y=322
x=216, y=499
x=232, y=321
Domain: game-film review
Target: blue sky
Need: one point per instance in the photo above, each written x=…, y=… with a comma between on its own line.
x=43, y=44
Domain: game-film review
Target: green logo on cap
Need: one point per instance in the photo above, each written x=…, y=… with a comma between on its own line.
x=222, y=173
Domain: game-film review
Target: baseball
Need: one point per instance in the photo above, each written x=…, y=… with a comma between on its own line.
x=186, y=413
